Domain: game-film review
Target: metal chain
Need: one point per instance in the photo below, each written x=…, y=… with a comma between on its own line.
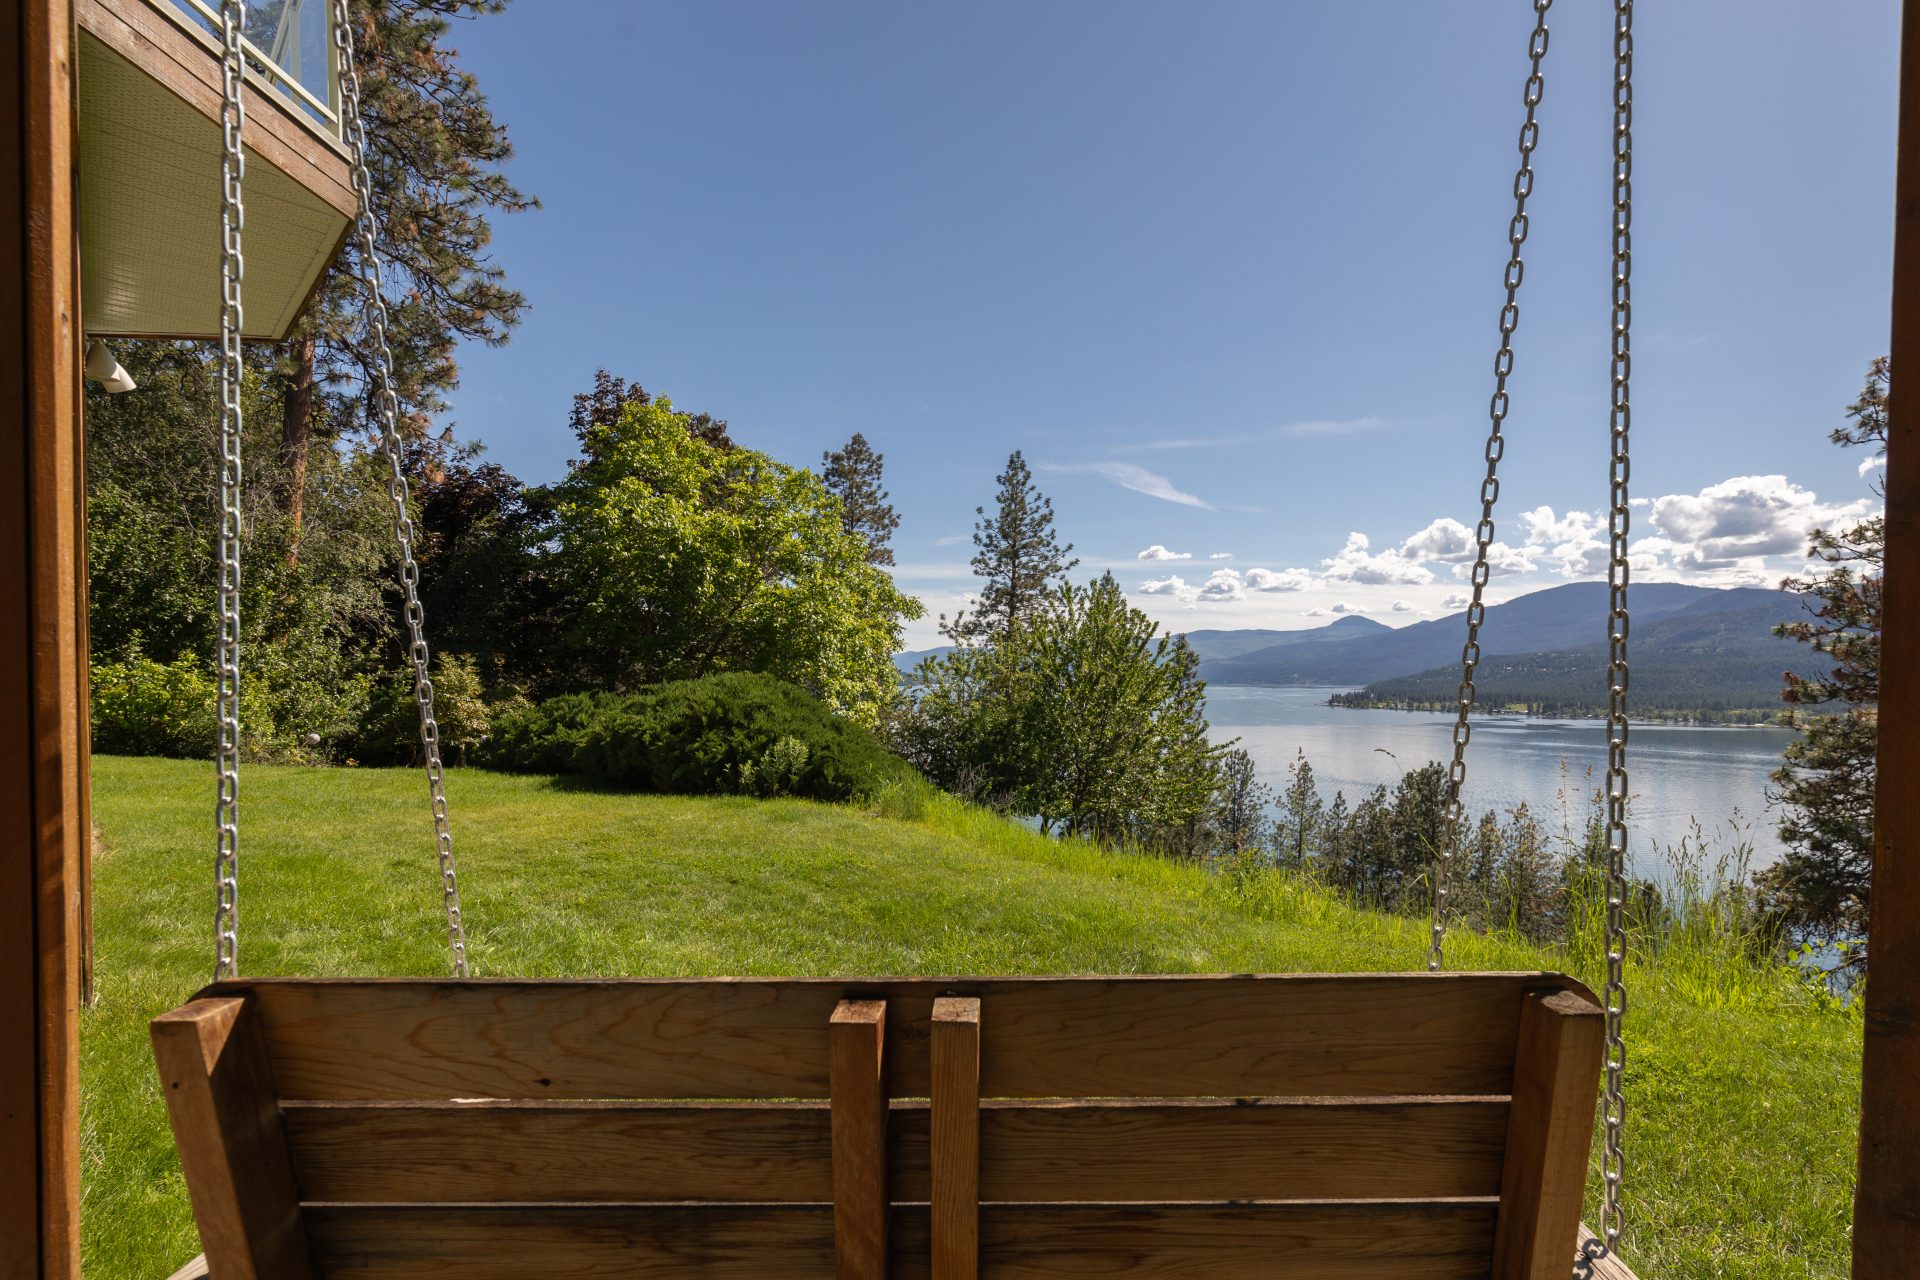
x=397, y=489
x=233, y=214
x=1489, y=487
x=1614, y=1109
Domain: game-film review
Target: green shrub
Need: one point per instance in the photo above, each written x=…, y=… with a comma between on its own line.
x=147, y=708
x=390, y=734
x=732, y=733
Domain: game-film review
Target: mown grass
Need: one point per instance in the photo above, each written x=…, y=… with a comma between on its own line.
x=1743, y=1085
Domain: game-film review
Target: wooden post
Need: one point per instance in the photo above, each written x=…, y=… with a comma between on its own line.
x=1556, y=1074
x=955, y=1108
x=42, y=739
x=1886, y=1207
x=226, y=1123
x=857, y=1038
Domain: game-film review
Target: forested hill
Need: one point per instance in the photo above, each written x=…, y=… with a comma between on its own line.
x=1717, y=666
x=1694, y=648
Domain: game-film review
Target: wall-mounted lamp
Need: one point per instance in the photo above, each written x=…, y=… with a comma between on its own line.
x=105, y=370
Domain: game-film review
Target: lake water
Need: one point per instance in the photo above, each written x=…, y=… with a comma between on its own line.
x=1676, y=772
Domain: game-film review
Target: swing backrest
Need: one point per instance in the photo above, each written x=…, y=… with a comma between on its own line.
x=1368, y=1127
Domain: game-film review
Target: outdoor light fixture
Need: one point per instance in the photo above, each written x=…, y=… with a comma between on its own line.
x=105, y=370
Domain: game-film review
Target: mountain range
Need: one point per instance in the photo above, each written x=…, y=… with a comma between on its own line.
x=1691, y=648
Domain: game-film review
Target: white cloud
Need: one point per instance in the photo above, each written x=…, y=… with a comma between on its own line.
x=951, y=540
x=1545, y=529
x=1343, y=607
x=1446, y=539
x=1283, y=580
x=1334, y=427
x=1171, y=585
x=1222, y=587
x=1502, y=561
x=1403, y=606
x=1158, y=552
x=1356, y=563
x=1138, y=479
x=1315, y=613
x=1458, y=600
x=1873, y=464
x=1744, y=518
x=1221, y=555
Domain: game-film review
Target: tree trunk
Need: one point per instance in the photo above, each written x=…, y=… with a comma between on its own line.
x=296, y=439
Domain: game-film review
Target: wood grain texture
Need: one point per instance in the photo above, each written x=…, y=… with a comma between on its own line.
x=194, y=1270
x=226, y=1124
x=43, y=765
x=856, y=1042
x=1593, y=1262
x=1549, y=1132
x=1437, y=1240
x=954, y=1119
x=1251, y=1035
x=616, y=1152
x=1886, y=1207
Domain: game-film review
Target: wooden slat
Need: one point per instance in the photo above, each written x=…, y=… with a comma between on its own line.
x=1250, y=1150
x=1593, y=1262
x=194, y=1270
x=1433, y=1240
x=220, y=1097
x=43, y=762
x=1359, y=1035
x=649, y=1242
x=611, y=1152
x=856, y=1041
x=954, y=1118
x=1886, y=1206
x=1436, y=1240
x=1550, y=1128
x=604, y=1152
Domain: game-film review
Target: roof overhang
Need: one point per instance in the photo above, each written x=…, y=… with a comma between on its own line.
x=149, y=182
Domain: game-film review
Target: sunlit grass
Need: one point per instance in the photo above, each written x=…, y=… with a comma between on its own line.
x=1744, y=1085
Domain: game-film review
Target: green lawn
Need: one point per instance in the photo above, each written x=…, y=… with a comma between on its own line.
x=1743, y=1089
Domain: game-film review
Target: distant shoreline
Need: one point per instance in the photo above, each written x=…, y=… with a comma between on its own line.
x=1694, y=717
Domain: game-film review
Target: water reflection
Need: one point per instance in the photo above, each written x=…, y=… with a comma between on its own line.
x=1677, y=772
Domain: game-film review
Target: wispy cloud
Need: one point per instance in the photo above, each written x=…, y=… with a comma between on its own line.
x=1335, y=426
x=1138, y=479
x=951, y=540
x=1314, y=427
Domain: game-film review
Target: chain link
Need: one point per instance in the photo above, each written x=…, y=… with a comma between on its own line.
x=1614, y=1107
x=1455, y=811
x=388, y=401
x=233, y=214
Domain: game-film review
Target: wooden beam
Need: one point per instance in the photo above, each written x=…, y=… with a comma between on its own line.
x=226, y=1123
x=42, y=743
x=955, y=1119
x=1549, y=1129
x=857, y=1036
x=1886, y=1211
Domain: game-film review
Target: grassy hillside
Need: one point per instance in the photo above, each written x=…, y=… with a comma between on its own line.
x=1744, y=1088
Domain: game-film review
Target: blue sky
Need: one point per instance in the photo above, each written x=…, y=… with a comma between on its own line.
x=1227, y=273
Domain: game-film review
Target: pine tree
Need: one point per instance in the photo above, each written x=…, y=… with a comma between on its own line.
x=437, y=159
x=854, y=474
x=1303, y=815
x=1826, y=778
x=1017, y=554
x=1240, y=822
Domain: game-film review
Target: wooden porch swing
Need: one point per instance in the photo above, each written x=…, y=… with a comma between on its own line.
x=1425, y=1126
